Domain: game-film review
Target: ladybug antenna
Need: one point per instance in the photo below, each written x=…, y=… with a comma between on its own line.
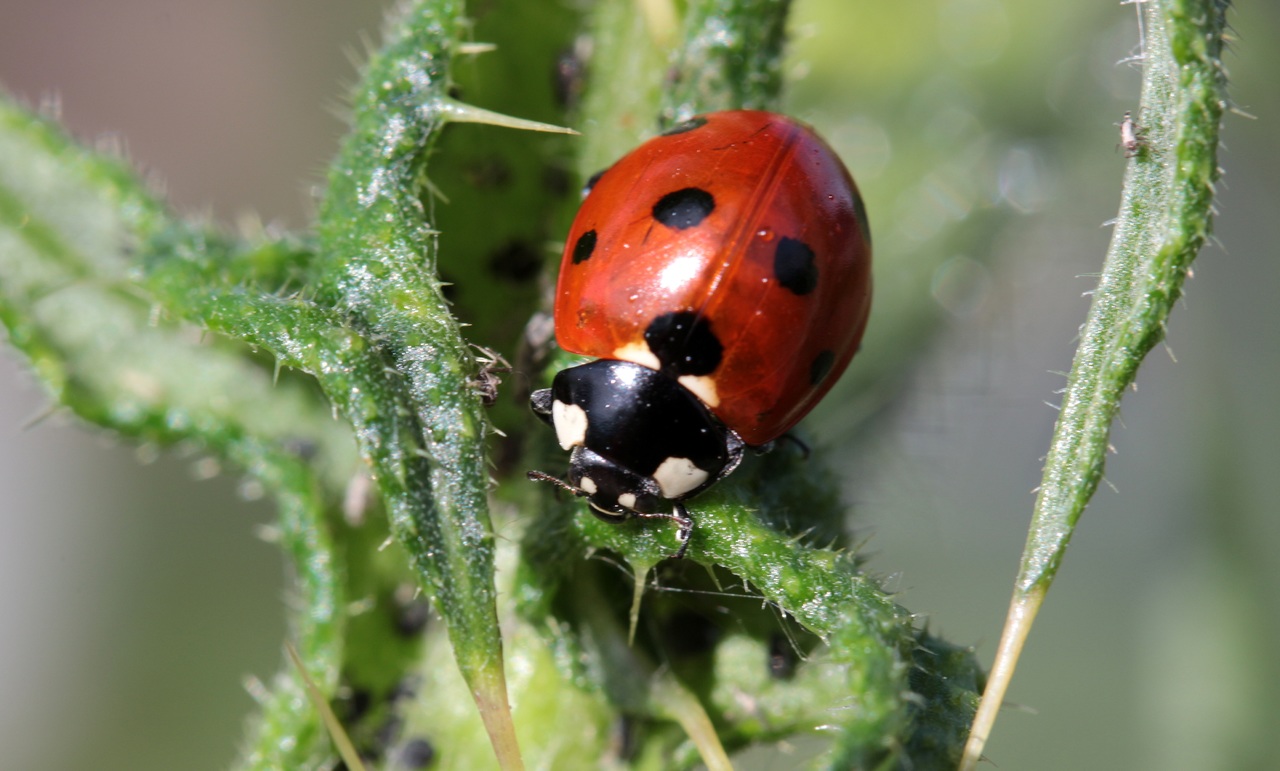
x=540, y=476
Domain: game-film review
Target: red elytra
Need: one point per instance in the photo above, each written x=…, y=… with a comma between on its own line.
x=745, y=236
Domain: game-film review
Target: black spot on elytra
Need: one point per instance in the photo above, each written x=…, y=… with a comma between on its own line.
x=821, y=366
x=516, y=262
x=795, y=266
x=685, y=208
x=860, y=210
x=586, y=245
x=592, y=182
x=684, y=343
x=696, y=122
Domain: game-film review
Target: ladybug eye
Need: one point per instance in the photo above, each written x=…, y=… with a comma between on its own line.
x=591, y=183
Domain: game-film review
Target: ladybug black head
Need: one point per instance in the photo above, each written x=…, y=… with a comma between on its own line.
x=610, y=500
x=640, y=441
x=613, y=491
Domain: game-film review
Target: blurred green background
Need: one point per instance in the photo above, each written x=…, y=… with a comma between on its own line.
x=135, y=597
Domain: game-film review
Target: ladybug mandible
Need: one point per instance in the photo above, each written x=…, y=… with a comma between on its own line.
x=720, y=273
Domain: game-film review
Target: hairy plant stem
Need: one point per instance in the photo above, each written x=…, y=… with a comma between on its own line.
x=1165, y=217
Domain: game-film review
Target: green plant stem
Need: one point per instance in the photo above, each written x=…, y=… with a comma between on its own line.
x=1165, y=217
x=869, y=638
x=377, y=266
x=730, y=58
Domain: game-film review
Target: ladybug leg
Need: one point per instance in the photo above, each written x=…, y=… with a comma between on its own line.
x=798, y=442
x=685, y=521
x=681, y=517
x=734, y=447
x=542, y=476
x=787, y=437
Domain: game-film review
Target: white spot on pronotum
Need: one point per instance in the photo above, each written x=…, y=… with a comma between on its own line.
x=638, y=353
x=678, y=476
x=702, y=387
x=627, y=500
x=570, y=421
x=588, y=485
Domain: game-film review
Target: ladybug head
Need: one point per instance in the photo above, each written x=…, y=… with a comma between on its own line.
x=613, y=491
x=609, y=498
x=639, y=441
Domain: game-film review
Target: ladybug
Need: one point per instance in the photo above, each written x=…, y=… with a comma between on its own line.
x=720, y=275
